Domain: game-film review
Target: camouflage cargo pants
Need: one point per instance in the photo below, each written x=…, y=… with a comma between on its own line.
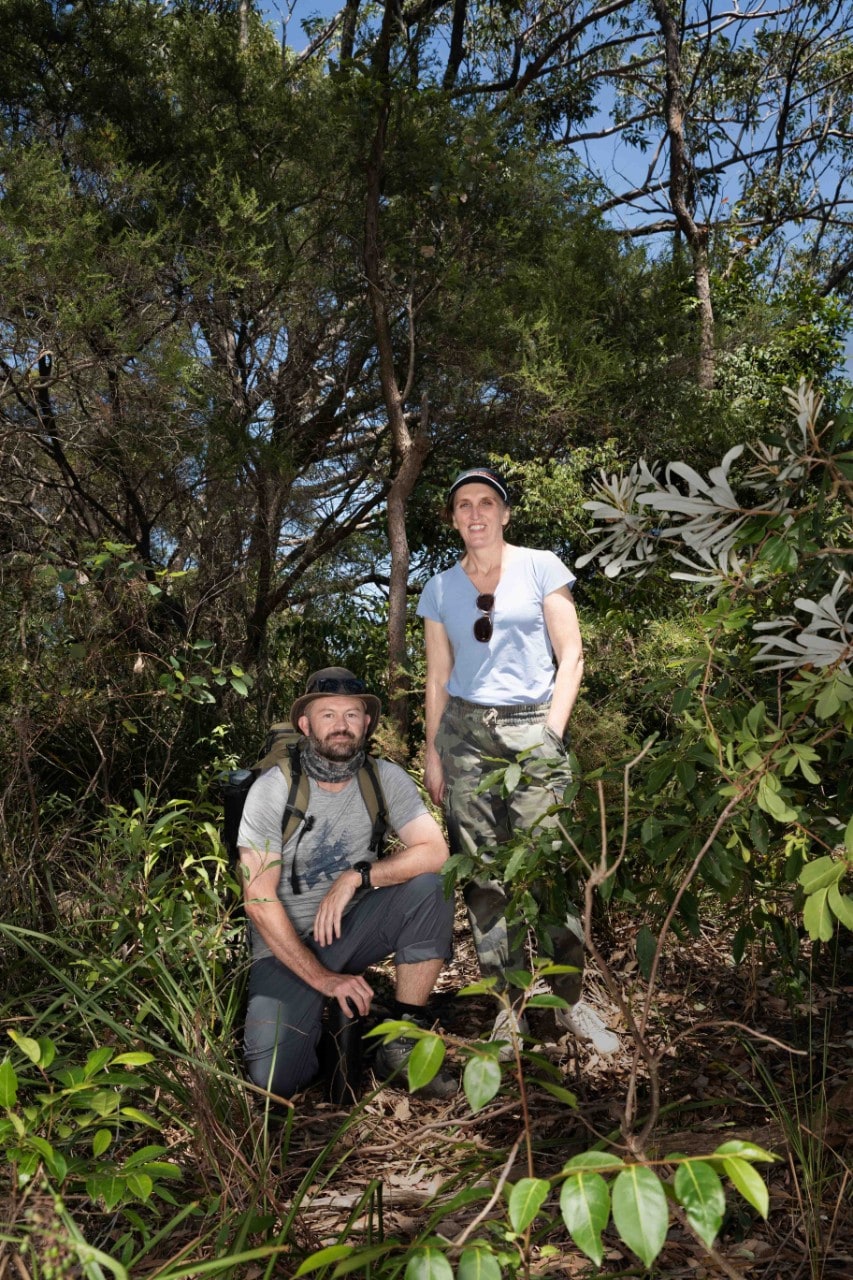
x=470, y=739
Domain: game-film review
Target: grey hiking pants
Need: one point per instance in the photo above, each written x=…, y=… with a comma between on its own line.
x=411, y=922
x=472, y=741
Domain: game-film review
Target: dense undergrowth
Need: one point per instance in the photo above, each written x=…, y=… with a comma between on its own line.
x=707, y=836
x=137, y=1148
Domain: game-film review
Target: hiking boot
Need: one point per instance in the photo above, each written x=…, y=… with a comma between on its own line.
x=585, y=1024
x=392, y=1060
x=507, y=1023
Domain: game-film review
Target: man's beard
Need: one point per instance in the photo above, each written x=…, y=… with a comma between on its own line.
x=338, y=746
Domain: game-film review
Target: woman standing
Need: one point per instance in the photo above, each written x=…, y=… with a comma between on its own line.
x=504, y=666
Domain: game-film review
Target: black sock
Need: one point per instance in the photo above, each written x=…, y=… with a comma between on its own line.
x=416, y=1011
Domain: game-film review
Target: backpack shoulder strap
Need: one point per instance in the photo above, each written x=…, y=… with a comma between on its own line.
x=374, y=798
x=298, y=793
x=282, y=749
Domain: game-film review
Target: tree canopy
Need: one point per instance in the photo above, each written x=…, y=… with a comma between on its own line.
x=257, y=306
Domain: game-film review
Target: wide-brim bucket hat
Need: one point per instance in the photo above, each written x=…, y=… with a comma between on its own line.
x=336, y=682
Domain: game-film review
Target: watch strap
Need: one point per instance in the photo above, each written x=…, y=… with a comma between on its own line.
x=363, y=868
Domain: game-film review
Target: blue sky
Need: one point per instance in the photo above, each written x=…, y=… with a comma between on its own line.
x=624, y=161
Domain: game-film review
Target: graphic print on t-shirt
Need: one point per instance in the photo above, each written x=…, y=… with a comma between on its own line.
x=329, y=857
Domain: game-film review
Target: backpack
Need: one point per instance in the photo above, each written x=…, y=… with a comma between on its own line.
x=282, y=748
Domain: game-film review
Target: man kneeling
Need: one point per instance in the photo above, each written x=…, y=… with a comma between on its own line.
x=323, y=909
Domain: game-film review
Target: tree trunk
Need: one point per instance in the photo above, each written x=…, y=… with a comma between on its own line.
x=682, y=191
x=408, y=451
x=411, y=453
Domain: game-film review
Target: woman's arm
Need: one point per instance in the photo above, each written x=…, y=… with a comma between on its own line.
x=561, y=619
x=439, y=659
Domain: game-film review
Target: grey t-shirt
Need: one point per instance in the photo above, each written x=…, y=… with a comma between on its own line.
x=339, y=836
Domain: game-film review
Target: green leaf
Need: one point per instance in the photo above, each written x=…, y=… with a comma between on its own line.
x=97, y=1058
x=600, y=1161
x=817, y=916
x=144, y=1155
x=489, y=781
x=646, y=946
x=686, y=775
x=842, y=905
x=133, y=1114
x=100, y=1142
x=140, y=1184
x=359, y=1262
x=749, y=1183
x=106, y=1187
x=771, y=802
x=828, y=701
x=428, y=1264
x=525, y=1200
x=478, y=1264
x=136, y=1059
x=8, y=1084
x=755, y=718
x=699, y=1189
x=820, y=873
x=557, y=1091
x=759, y=831
x=239, y=686
x=651, y=831
x=585, y=1206
x=546, y=1001
x=742, y=936
x=512, y=777
x=682, y=699
x=322, y=1258
x=481, y=1081
x=41, y=1145
x=848, y=837
x=425, y=1060
x=745, y=1150
x=157, y=1169
x=659, y=773
x=640, y=1212
x=779, y=555
x=48, y=1052
x=27, y=1046
x=57, y=1166
x=102, y=1101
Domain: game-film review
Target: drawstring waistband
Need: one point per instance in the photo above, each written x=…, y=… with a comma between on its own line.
x=491, y=715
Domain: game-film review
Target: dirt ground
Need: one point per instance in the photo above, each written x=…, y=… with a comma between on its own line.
x=744, y=1060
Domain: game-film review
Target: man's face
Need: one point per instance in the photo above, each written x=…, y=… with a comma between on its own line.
x=336, y=727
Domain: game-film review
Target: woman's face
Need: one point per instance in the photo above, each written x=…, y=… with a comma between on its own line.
x=479, y=515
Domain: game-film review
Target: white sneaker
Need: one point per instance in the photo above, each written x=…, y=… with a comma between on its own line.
x=585, y=1024
x=507, y=1024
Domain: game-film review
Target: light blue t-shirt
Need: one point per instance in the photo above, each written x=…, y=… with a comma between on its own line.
x=517, y=665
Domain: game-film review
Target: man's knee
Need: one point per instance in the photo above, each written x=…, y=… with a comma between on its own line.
x=426, y=920
x=426, y=888
x=279, y=1057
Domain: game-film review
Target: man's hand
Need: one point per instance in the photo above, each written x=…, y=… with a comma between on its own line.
x=327, y=922
x=346, y=987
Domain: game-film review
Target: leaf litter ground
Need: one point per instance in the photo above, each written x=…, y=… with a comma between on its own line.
x=717, y=1082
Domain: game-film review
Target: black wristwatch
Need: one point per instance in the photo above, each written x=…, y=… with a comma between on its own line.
x=363, y=869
